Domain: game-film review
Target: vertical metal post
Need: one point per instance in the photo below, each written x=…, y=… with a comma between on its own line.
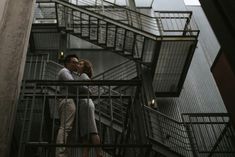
x=30, y=66
x=99, y=110
x=41, y=68
x=56, y=13
x=159, y=23
x=122, y=111
x=111, y=115
x=35, y=68
x=22, y=140
x=77, y=114
x=54, y=112
x=151, y=5
x=31, y=113
x=43, y=114
x=102, y=5
x=44, y=64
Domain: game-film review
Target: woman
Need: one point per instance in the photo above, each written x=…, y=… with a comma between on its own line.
x=88, y=128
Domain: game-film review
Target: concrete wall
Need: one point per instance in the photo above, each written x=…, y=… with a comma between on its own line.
x=2, y=10
x=207, y=39
x=15, y=26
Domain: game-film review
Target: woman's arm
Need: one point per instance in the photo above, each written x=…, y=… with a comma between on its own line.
x=84, y=76
x=85, y=89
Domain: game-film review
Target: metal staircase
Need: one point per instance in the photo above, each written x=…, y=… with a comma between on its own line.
x=127, y=126
x=39, y=120
x=123, y=118
x=40, y=67
x=196, y=135
x=106, y=32
x=165, y=43
x=37, y=116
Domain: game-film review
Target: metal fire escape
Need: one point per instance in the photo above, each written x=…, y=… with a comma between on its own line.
x=158, y=48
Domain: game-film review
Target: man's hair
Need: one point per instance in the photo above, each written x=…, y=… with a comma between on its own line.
x=68, y=58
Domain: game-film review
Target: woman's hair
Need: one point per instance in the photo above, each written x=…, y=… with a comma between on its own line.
x=87, y=69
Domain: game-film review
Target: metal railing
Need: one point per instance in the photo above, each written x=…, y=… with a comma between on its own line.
x=106, y=33
x=126, y=69
x=45, y=12
x=37, y=116
x=211, y=133
x=121, y=14
x=75, y=150
x=173, y=23
x=52, y=69
x=164, y=23
x=35, y=66
x=167, y=131
x=198, y=134
x=206, y=133
x=39, y=67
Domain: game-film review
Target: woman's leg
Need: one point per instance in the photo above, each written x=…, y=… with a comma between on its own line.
x=95, y=139
x=85, y=150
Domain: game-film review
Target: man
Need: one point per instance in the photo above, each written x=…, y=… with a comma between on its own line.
x=66, y=107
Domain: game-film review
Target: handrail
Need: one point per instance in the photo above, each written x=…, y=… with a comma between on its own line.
x=187, y=114
x=86, y=82
x=205, y=114
x=114, y=72
x=119, y=6
x=44, y=144
x=59, y=65
x=52, y=69
x=170, y=11
x=165, y=116
x=132, y=149
x=129, y=9
x=136, y=14
x=172, y=22
x=110, y=69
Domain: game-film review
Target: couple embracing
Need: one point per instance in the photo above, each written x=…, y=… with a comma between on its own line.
x=67, y=108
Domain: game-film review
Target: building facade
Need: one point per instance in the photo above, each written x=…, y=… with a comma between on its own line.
x=154, y=91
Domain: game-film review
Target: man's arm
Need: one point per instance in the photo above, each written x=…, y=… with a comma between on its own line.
x=65, y=75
